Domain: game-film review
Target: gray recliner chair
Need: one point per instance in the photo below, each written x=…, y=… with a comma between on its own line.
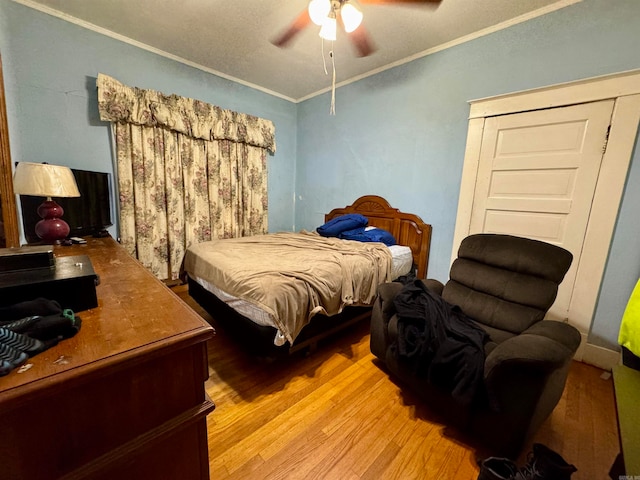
x=505, y=285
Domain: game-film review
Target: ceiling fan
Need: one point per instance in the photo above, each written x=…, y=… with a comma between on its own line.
x=328, y=13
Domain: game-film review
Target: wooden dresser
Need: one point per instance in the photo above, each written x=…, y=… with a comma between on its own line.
x=124, y=398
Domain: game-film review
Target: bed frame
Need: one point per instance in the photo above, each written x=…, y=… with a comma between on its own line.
x=408, y=229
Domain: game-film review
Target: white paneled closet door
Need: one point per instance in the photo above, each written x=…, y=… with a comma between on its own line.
x=537, y=175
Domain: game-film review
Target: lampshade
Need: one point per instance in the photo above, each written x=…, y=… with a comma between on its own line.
x=351, y=17
x=44, y=180
x=319, y=10
x=328, y=29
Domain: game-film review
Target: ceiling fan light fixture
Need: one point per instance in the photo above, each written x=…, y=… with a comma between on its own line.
x=351, y=17
x=319, y=11
x=328, y=29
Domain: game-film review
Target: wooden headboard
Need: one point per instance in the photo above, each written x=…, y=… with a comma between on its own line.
x=407, y=228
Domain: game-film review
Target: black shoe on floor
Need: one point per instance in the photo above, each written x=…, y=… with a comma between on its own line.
x=496, y=468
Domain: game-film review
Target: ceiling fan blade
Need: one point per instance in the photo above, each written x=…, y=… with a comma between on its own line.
x=391, y=2
x=361, y=40
x=296, y=26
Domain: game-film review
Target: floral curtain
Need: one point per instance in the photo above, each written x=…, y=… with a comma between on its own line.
x=187, y=172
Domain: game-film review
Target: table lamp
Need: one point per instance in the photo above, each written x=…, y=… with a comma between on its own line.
x=45, y=180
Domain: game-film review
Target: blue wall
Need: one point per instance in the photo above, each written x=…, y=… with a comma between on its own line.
x=400, y=134
x=50, y=68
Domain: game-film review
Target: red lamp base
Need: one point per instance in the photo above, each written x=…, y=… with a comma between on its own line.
x=51, y=228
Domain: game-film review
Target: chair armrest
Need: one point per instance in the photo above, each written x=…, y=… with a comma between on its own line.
x=520, y=368
x=561, y=332
x=530, y=350
x=382, y=312
x=386, y=294
x=436, y=286
x=383, y=320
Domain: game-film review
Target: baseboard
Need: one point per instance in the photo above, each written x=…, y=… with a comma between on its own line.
x=597, y=356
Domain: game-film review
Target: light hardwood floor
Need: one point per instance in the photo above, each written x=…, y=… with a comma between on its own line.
x=337, y=415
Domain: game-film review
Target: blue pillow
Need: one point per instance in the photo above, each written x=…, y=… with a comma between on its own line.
x=371, y=235
x=340, y=224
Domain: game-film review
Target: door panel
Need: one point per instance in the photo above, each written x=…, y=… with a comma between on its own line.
x=546, y=227
x=537, y=177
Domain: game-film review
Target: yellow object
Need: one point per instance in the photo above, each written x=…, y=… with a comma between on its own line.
x=629, y=335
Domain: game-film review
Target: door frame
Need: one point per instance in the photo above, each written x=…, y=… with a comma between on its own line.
x=624, y=88
x=7, y=196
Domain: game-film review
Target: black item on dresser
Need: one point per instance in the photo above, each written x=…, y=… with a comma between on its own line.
x=71, y=282
x=26, y=258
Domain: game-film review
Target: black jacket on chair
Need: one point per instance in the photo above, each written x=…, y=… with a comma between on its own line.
x=441, y=342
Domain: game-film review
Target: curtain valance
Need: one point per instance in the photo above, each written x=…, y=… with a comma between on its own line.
x=197, y=119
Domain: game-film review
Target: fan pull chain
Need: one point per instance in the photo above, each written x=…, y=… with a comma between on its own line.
x=332, y=110
x=324, y=61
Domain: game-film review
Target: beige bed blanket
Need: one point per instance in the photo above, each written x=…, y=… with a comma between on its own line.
x=292, y=276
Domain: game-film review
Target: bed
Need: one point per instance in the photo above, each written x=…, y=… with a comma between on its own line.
x=298, y=288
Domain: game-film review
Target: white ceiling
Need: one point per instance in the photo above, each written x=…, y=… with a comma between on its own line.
x=232, y=37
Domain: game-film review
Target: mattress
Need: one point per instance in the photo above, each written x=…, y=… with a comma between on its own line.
x=402, y=262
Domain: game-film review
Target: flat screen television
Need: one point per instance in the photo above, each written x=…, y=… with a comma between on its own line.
x=88, y=214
